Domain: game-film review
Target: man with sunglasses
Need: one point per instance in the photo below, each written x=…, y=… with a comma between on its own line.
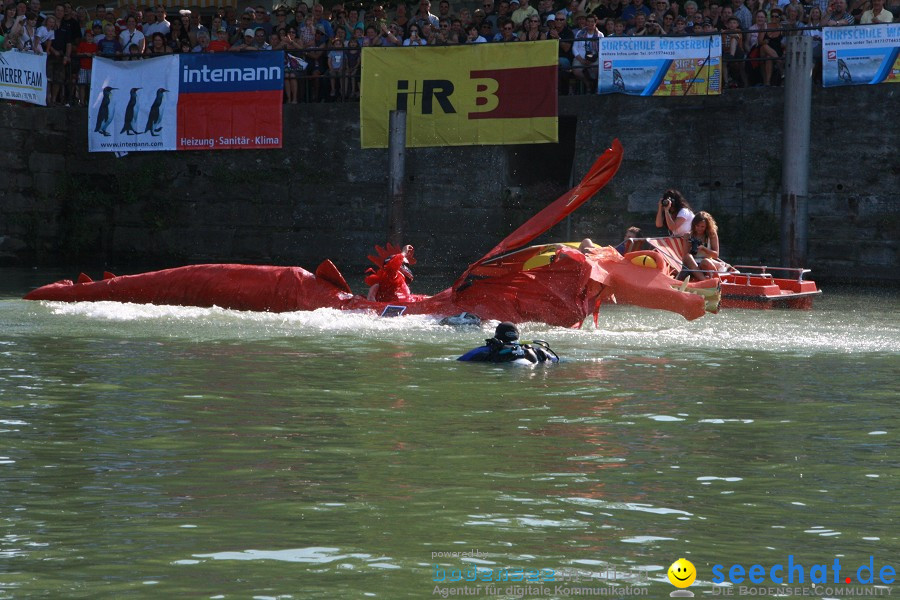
x=261, y=20
x=236, y=33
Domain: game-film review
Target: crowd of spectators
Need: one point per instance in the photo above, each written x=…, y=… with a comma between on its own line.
x=323, y=46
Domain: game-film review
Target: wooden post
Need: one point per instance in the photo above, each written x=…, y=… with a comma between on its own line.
x=397, y=160
x=795, y=158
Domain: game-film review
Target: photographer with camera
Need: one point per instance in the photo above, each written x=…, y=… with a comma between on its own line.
x=586, y=51
x=652, y=26
x=674, y=213
x=415, y=39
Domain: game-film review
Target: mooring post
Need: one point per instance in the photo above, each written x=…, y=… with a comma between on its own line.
x=397, y=160
x=795, y=158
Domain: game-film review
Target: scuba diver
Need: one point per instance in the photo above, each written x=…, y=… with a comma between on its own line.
x=390, y=282
x=505, y=347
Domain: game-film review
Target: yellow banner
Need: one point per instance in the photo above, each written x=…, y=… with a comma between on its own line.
x=461, y=95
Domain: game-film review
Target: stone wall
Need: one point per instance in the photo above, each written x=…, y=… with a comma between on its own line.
x=322, y=196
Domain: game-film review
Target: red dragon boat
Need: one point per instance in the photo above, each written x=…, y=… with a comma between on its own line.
x=554, y=283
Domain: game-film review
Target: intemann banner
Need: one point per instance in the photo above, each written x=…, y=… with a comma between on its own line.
x=661, y=66
x=218, y=101
x=461, y=95
x=23, y=77
x=861, y=55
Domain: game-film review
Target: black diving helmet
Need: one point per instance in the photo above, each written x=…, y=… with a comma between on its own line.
x=507, y=332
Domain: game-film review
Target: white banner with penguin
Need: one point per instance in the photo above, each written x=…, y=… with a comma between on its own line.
x=861, y=55
x=661, y=66
x=23, y=77
x=221, y=101
x=132, y=105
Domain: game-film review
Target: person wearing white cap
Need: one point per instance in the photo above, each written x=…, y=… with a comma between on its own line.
x=245, y=44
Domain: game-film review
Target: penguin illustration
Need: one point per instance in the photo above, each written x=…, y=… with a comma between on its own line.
x=844, y=72
x=154, y=119
x=105, y=113
x=618, y=80
x=131, y=113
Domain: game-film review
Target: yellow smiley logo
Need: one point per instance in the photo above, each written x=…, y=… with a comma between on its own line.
x=682, y=573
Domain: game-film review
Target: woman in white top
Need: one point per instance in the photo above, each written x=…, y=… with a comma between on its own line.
x=28, y=40
x=674, y=213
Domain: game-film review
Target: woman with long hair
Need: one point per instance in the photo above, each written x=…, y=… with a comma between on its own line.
x=703, y=253
x=763, y=44
x=178, y=35
x=532, y=30
x=9, y=19
x=674, y=213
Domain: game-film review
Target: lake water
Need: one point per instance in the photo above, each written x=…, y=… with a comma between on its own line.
x=170, y=452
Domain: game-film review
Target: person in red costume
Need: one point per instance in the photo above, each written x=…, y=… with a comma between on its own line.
x=389, y=283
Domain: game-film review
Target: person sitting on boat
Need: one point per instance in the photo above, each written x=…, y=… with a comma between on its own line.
x=702, y=257
x=390, y=282
x=630, y=234
x=674, y=213
x=505, y=347
x=587, y=245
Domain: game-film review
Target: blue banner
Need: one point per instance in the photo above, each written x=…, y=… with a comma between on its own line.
x=861, y=55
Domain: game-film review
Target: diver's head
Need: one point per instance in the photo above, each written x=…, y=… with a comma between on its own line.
x=507, y=332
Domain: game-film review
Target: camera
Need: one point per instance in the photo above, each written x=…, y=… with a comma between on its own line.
x=666, y=201
x=695, y=245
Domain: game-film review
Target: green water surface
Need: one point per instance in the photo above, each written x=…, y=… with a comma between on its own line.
x=163, y=452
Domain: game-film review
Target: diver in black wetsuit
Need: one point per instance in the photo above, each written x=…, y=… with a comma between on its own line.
x=505, y=347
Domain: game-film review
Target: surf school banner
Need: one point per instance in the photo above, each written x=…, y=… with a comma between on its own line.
x=23, y=77
x=861, y=55
x=661, y=66
x=461, y=95
x=219, y=101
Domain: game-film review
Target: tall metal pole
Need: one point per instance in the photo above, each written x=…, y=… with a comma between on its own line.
x=397, y=154
x=795, y=158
